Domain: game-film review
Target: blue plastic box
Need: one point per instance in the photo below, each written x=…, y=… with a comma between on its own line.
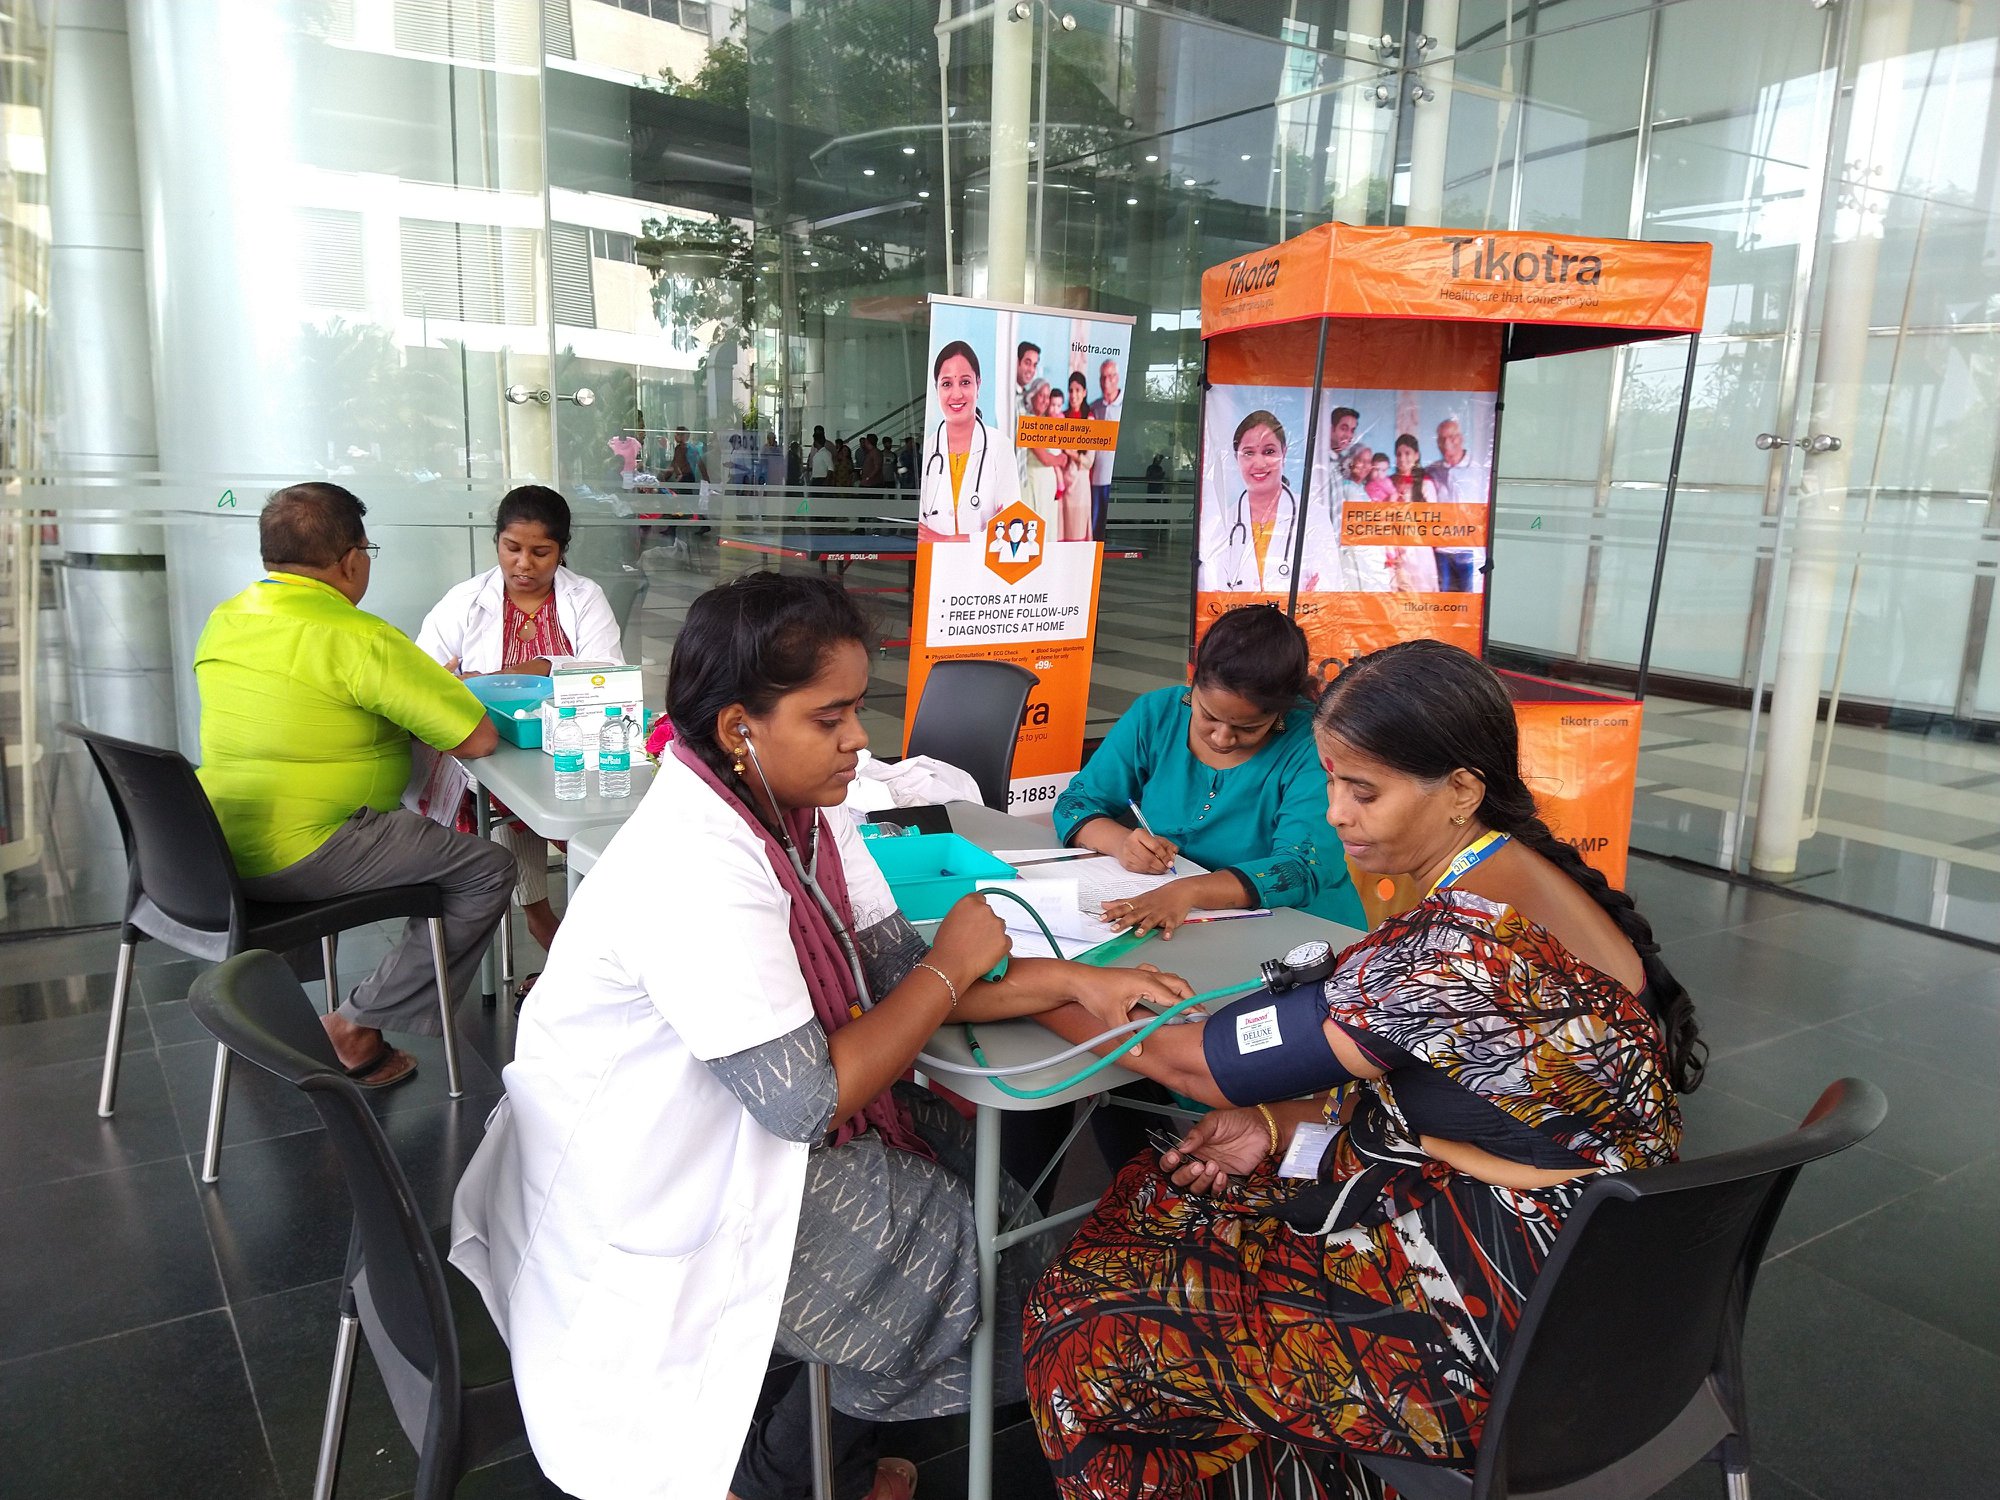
x=513, y=701
x=930, y=872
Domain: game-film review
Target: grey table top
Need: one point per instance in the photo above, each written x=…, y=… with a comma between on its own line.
x=526, y=781
x=1207, y=955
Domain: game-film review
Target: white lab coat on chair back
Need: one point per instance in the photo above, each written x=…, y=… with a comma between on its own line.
x=627, y=1221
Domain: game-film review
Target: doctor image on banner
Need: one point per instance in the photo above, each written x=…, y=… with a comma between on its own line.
x=970, y=472
x=1252, y=508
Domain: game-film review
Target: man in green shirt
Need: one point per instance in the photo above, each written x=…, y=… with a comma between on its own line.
x=308, y=706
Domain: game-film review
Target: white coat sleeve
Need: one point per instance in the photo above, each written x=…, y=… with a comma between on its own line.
x=721, y=970
x=598, y=637
x=442, y=635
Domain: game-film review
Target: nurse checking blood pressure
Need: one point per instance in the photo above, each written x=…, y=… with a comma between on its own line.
x=705, y=1155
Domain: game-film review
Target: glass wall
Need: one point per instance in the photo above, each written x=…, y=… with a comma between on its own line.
x=641, y=249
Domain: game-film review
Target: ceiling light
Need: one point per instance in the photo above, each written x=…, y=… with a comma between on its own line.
x=1246, y=156
x=867, y=171
x=923, y=192
x=1152, y=156
x=814, y=265
x=1187, y=182
x=1131, y=202
x=909, y=151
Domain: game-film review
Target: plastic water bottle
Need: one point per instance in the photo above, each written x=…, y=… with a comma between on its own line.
x=567, y=748
x=614, y=755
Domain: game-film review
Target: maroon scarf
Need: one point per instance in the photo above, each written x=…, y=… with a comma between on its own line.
x=829, y=981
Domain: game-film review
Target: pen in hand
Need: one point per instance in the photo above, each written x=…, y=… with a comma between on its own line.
x=1173, y=866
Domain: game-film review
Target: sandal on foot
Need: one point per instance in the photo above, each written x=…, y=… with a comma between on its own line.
x=385, y=1069
x=525, y=988
x=895, y=1479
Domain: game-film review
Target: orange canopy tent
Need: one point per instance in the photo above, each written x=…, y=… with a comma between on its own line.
x=1441, y=311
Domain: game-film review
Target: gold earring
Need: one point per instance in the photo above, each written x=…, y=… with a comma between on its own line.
x=738, y=768
x=1460, y=820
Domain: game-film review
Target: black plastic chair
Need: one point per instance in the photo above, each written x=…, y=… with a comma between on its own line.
x=968, y=717
x=1627, y=1367
x=182, y=890
x=444, y=1362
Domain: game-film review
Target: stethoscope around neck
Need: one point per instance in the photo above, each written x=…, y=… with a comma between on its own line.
x=805, y=868
x=940, y=463
x=1239, y=531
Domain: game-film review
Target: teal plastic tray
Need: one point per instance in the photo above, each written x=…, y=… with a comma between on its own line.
x=930, y=872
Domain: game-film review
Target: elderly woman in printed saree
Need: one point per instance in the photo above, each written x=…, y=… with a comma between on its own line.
x=1446, y=1092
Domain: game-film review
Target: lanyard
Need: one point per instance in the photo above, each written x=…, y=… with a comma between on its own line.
x=1466, y=858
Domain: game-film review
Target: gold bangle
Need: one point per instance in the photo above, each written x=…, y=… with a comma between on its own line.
x=1270, y=1124
x=949, y=986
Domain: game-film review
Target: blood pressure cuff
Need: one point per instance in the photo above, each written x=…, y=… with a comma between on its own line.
x=1266, y=1047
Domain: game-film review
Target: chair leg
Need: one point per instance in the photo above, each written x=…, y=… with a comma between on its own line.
x=114, y=1041
x=443, y=970
x=819, y=1393
x=507, y=946
x=336, y=1406
x=1738, y=1482
x=329, y=965
x=218, y=1104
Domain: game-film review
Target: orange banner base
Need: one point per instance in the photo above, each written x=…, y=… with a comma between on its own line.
x=1580, y=757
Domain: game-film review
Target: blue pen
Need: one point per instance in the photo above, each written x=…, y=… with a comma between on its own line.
x=1173, y=866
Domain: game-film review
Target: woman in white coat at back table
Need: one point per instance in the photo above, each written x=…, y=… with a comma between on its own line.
x=705, y=1152
x=530, y=614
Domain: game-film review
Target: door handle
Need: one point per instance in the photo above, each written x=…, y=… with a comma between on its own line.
x=1818, y=442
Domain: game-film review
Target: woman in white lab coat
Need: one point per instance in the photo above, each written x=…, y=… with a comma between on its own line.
x=1247, y=543
x=970, y=474
x=704, y=1152
x=529, y=614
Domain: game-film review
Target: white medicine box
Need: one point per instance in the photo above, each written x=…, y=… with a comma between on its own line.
x=594, y=683
x=591, y=688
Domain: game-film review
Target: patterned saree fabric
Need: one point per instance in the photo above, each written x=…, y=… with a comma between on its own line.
x=1288, y=1324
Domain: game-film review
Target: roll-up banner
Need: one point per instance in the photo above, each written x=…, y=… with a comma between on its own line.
x=1020, y=429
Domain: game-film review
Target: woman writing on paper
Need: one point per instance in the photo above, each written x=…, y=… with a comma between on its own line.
x=1226, y=774
x=1465, y=1068
x=704, y=1149
x=529, y=614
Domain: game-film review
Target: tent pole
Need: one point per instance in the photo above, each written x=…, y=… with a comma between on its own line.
x=1666, y=519
x=1200, y=478
x=1493, y=494
x=1303, y=500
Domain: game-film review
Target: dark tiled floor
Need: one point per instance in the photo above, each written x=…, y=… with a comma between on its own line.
x=163, y=1339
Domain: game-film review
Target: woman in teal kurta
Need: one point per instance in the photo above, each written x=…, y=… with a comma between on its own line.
x=1227, y=774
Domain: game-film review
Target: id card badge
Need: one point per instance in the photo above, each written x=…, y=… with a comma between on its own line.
x=1308, y=1149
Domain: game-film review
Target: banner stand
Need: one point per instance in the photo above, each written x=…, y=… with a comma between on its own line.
x=1415, y=329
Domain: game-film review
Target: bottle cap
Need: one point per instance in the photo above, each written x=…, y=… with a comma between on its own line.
x=567, y=711
x=613, y=711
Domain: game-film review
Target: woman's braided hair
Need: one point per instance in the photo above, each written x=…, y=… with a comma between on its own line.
x=1427, y=709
